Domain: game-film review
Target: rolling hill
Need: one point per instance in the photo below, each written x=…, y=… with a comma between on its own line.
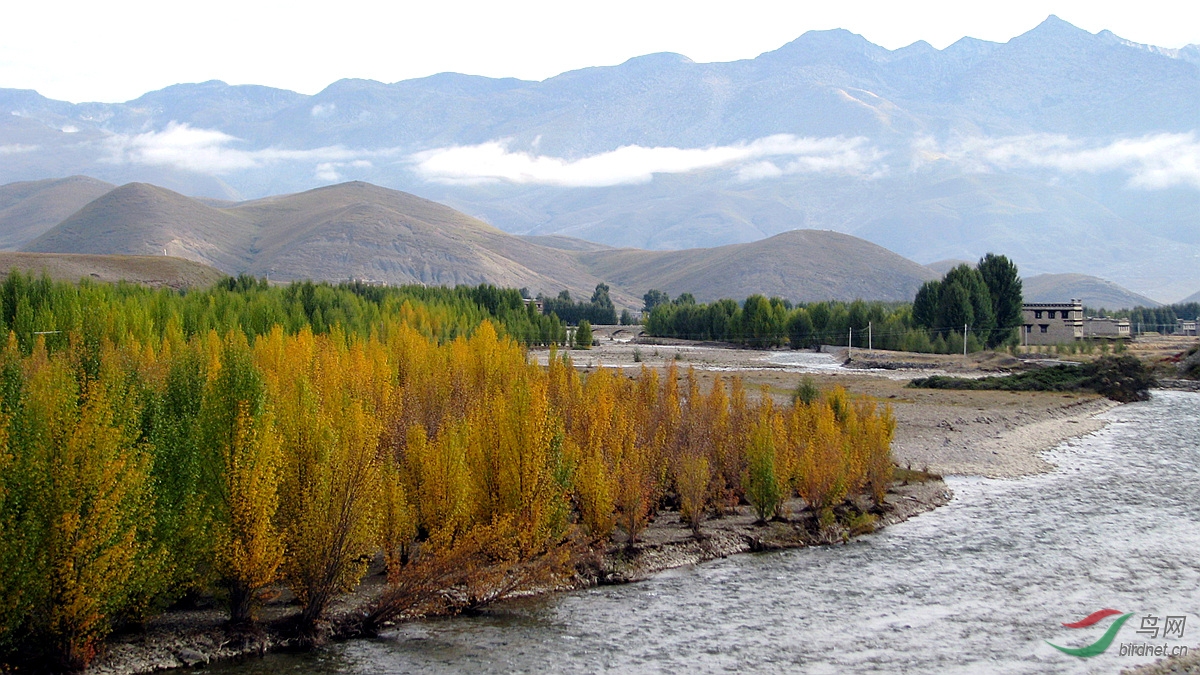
x=142, y=219
x=28, y=209
x=801, y=265
x=1095, y=292
x=361, y=231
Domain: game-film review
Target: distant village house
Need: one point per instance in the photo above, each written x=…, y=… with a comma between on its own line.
x=1105, y=327
x=538, y=304
x=1051, y=323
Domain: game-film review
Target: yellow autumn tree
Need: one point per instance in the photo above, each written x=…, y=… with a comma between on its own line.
x=242, y=474
x=877, y=427
x=94, y=502
x=821, y=463
x=332, y=470
x=592, y=434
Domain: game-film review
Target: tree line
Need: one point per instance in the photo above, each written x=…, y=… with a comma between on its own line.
x=599, y=310
x=165, y=443
x=985, y=299
x=32, y=306
x=1153, y=319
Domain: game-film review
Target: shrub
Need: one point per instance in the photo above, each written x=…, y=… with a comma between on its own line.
x=1120, y=378
x=806, y=392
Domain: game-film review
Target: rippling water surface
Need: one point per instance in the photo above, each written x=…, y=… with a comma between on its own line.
x=976, y=586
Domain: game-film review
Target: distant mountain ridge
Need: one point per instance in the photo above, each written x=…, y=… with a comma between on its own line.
x=1056, y=136
x=361, y=231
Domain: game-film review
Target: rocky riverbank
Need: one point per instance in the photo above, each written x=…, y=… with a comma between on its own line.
x=197, y=636
x=669, y=543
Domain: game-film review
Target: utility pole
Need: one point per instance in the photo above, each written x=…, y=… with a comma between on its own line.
x=964, y=340
x=870, y=343
x=850, y=343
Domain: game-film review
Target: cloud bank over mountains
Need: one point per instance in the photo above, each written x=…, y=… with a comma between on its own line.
x=631, y=164
x=214, y=152
x=1151, y=162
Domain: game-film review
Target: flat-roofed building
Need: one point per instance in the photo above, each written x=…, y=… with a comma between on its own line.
x=1105, y=327
x=1185, y=327
x=1051, y=323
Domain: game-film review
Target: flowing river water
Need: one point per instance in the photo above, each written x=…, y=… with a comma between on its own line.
x=977, y=586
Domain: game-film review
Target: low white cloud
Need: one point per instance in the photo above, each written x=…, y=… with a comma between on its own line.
x=323, y=110
x=331, y=171
x=70, y=129
x=16, y=149
x=215, y=152
x=1152, y=162
x=494, y=161
x=327, y=171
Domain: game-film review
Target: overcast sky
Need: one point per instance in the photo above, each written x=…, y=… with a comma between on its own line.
x=119, y=49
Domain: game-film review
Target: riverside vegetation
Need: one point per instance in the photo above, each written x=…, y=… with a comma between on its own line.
x=1121, y=378
x=159, y=444
x=985, y=300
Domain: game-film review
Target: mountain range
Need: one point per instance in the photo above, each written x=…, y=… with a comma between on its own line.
x=1070, y=152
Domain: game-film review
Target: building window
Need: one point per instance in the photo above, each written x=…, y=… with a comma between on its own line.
x=1028, y=328
x=1044, y=327
x=1037, y=313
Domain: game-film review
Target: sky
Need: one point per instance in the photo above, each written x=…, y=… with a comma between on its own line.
x=117, y=50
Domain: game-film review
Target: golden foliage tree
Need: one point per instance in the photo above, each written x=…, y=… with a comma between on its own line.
x=243, y=472
x=90, y=479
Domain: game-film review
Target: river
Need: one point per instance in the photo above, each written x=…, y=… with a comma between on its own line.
x=975, y=586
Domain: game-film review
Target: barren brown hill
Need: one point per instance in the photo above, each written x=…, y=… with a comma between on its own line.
x=1094, y=291
x=565, y=243
x=800, y=265
x=362, y=231
x=347, y=231
x=148, y=270
x=30, y=208
x=142, y=219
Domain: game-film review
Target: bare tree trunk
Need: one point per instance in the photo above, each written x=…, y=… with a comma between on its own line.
x=241, y=604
